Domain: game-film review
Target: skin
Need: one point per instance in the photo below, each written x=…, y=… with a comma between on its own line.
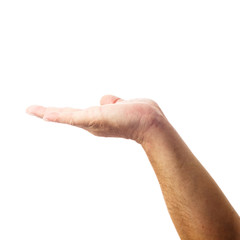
x=197, y=206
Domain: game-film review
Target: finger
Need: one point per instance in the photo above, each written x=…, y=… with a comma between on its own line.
x=40, y=111
x=110, y=99
x=80, y=118
x=36, y=110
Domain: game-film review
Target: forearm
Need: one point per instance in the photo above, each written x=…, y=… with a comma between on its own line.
x=197, y=206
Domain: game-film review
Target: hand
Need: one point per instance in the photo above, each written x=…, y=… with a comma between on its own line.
x=131, y=119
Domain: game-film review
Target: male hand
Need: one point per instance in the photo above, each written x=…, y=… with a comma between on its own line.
x=192, y=197
x=131, y=119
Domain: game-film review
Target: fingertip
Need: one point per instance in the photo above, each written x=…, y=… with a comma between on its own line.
x=35, y=110
x=103, y=99
x=29, y=110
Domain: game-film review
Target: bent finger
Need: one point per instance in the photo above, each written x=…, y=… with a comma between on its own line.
x=110, y=99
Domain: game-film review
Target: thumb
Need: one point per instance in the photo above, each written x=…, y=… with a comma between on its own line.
x=110, y=99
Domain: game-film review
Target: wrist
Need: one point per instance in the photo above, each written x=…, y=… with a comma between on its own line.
x=157, y=133
x=163, y=143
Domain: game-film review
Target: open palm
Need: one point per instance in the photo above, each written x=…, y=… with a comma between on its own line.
x=131, y=119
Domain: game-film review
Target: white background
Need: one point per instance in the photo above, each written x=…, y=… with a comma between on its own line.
x=60, y=182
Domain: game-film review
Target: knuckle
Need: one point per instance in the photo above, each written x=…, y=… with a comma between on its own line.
x=71, y=122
